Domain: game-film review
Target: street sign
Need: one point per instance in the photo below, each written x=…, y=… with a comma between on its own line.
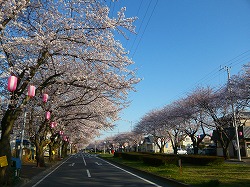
x=3, y=161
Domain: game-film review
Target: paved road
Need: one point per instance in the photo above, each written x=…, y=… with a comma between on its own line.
x=88, y=170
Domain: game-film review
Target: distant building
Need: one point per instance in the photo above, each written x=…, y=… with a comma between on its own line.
x=243, y=134
x=187, y=142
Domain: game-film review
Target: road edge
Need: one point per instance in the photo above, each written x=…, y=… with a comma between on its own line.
x=149, y=176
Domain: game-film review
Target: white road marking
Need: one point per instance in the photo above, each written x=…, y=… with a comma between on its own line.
x=150, y=182
x=50, y=173
x=72, y=164
x=88, y=173
x=84, y=160
x=99, y=164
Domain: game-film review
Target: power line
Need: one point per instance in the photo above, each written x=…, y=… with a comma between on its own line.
x=216, y=72
x=145, y=28
x=232, y=62
x=136, y=16
x=141, y=24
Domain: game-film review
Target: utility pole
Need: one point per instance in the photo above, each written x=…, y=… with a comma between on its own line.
x=95, y=147
x=22, y=134
x=234, y=122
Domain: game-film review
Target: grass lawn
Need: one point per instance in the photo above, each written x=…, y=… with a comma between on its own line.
x=225, y=175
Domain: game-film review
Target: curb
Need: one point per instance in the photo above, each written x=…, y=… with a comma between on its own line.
x=25, y=181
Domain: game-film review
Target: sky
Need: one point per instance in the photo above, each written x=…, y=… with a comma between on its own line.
x=179, y=45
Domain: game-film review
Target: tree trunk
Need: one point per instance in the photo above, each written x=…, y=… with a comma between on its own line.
x=7, y=122
x=224, y=144
x=64, y=150
x=40, y=157
x=225, y=153
x=39, y=152
x=52, y=152
x=162, y=149
x=175, y=150
x=5, y=172
x=195, y=146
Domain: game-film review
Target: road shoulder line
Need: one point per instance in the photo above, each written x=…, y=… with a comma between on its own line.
x=148, y=181
x=50, y=172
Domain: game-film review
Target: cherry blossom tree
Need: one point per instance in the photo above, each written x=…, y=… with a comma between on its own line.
x=74, y=48
x=217, y=106
x=155, y=123
x=239, y=85
x=194, y=118
x=10, y=10
x=176, y=125
x=124, y=140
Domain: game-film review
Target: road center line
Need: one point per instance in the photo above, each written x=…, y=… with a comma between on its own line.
x=88, y=173
x=84, y=160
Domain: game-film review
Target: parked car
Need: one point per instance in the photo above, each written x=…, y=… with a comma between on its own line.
x=181, y=152
x=46, y=153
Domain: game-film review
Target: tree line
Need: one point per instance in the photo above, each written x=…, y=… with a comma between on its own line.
x=69, y=51
x=205, y=111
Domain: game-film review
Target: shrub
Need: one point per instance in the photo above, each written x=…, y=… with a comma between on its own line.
x=117, y=154
x=166, y=159
x=129, y=156
x=132, y=156
x=159, y=160
x=202, y=160
x=153, y=160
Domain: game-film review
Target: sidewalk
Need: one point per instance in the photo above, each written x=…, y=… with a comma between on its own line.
x=29, y=171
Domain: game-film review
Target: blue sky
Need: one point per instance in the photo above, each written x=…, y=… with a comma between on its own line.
x=179, y=45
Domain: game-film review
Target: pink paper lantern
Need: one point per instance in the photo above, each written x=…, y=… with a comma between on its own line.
x=45, y=97
x=53, y=124
x=31, y=91
x=240, y=133
x=12, y=83
x=66, y=138
x=47, y=115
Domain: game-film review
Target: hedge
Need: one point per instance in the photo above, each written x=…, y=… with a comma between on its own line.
x=157, y=159
x=129, y=155
x=201, y=160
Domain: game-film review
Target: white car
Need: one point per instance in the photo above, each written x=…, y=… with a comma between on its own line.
x=46, y=153
x=181, y=152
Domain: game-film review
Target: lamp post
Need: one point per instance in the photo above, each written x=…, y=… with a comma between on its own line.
x=95, y=147
x=104, y=147
x=22, y=134
x=31, y=93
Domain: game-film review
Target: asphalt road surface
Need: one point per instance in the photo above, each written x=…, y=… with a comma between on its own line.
x=85, y=169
